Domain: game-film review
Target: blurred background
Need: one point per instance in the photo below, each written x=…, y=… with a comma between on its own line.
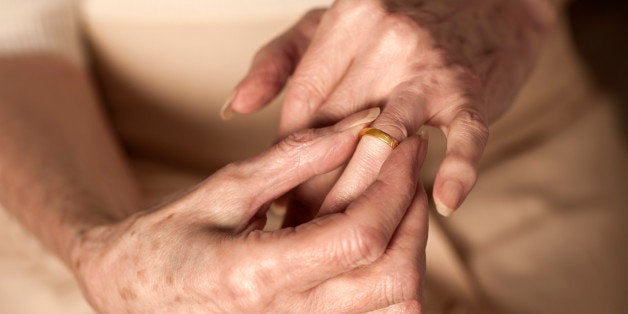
x=143, y=65
x=601, y=34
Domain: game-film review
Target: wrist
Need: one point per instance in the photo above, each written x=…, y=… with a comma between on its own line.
x=92, y=254
x=78, y=234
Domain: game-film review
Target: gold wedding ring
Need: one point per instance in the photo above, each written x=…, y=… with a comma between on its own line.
x=380, y=135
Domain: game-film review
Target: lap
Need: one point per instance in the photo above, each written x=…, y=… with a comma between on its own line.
x=542, y=231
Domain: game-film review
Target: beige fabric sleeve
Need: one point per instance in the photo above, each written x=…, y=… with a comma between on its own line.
x=41, y=26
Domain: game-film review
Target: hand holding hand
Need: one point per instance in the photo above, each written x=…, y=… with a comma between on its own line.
x=206, y=251
x=455, y=65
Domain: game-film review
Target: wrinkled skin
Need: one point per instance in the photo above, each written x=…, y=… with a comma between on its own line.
x=454, y=65
x=206, y=251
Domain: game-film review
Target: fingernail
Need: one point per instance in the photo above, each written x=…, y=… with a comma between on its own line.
x=442, y=209
x=423, y=134
x=226, y=112
x=452, y=193
x=360, y=118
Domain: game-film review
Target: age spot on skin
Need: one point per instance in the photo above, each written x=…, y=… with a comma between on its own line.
x=141, y=275
x=155, y=245
x=127, y=294
x=77, y=264
x=169, y=280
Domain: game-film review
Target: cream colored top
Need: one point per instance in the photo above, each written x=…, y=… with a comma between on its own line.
x=52, y=26
x=40, y=26
x=163, y=56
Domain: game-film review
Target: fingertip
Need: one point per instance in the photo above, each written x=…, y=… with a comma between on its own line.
x=442, y=208
x=361, y=118
x=226, y=111
x=248, y=97
x=256, y=90
x=448, y=197
x=424, y=134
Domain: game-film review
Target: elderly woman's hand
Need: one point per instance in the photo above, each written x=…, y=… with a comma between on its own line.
x=206, y=251
x=456, y=65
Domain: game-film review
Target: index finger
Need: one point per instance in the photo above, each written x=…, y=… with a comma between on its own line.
x=240, y=189
x=324, y=63
x=332, y=245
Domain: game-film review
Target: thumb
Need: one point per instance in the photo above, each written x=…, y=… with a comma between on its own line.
x=237, y=191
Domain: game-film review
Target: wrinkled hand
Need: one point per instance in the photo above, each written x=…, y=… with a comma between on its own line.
x=455, y=65
x=206, y=252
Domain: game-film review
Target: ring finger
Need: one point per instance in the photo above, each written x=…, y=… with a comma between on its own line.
x=400, y=117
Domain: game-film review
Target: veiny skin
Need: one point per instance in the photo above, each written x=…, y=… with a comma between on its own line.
x=455, y=65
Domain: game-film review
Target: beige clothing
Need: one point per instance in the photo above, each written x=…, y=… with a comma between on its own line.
x=41, y=26
x=543, y=231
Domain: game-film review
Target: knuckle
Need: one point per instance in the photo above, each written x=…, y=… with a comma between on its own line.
x=306, y=93
x=325, y=116
x=296, y=141
x=399, y=25
x=356, y=10
x=233, y=172
x=228, y=181
x=399, y=35
x=248, y=285
x=473, y=123
x=292, y=149
x=400, y=287
x=363, y=245
x=393, y=124
x=408, y=92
